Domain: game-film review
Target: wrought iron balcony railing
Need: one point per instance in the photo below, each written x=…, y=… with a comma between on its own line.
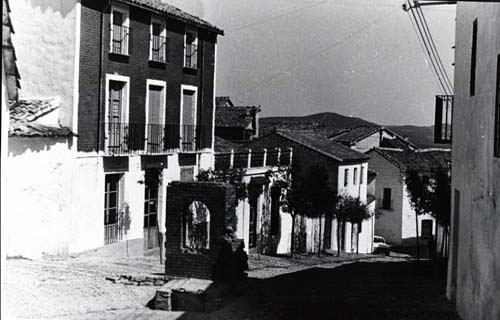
x=191, y=59
x=443, y=119
x=159, y=48
x=140, y=138
x=120, y=39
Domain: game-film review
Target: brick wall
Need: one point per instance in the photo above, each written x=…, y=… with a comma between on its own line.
x=220, y=200
x=138, y=68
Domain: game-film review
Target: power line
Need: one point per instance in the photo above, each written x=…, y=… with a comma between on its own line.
x=333, y=45
x=427, y=50
x=437, y=52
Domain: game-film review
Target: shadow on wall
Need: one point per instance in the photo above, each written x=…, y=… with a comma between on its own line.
x=20, y=145
x=64, y=7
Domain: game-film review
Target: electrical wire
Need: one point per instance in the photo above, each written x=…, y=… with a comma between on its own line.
x=427, y=51
x=437, y=52
x=321, y=52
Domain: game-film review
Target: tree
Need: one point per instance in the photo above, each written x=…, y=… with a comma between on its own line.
x=430, y=193
x=349, y=209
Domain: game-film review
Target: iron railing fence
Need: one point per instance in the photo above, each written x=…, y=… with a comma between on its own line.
x=120, y=39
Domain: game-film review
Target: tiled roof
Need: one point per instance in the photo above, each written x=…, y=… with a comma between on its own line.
x=32, y=109
x=162, y=6
x=422, y=161
x=23, y=116
x=323, y=145
x=222, y=145
x=355, y=134
x=223, y=101
x=234, y=117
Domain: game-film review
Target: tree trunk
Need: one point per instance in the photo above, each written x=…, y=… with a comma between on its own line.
x=338, y=238
x=292, y=242
x=319, y=238
x=418, y=243
x=357, y=239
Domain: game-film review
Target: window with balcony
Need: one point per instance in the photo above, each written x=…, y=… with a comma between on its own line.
x=188, y=130
x=159, y=41
x=120, y=35
x=496, y=138
x=443, y=118
x=191, y=49
x=155, y=116
x=120, y=136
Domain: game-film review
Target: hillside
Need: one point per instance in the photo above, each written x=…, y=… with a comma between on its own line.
x=327, y=121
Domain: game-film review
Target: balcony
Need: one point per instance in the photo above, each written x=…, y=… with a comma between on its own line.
x=159, y=48
x=443, y=118
x=246, y=159
x=139, y=138
x=120, y=39
x=191, y=58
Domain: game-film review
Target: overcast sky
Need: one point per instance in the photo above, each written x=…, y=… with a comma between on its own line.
x=358, y=58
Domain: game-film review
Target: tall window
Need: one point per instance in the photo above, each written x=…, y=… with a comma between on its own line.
x=387, y=200
x=361, y=175
x=473, y=59
x=355, y=176
x=112, y=203
x=191, y=49
x=159, y=41
x=346, y=176
x=426, y=227
x=188, y=118
x=496, y=139
x=120, y=31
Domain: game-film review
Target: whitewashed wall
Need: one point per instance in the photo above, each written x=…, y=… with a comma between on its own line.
x=46, y=48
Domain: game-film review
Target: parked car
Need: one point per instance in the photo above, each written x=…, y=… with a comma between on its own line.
x=380, y=246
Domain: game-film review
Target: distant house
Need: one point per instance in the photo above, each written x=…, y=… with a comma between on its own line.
x=364, y=138
x=348, y=174
x=397, y=222
x=236, y=123
x=262, y=224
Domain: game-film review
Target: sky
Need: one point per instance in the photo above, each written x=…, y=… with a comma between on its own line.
x=358, y=58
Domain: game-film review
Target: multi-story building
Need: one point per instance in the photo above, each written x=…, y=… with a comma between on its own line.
x=136, y=80
x=474, y=262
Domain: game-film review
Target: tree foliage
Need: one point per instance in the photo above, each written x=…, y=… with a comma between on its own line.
x=232, y=176
x=430, y=193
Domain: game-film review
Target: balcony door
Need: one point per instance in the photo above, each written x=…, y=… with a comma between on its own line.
x=117, y=126
x=188, y=121
x=156, y=117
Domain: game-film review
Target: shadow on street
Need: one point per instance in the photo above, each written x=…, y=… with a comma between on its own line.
x=362, y=290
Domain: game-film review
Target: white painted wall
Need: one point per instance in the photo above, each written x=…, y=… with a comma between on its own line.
x=474, y=262
x=357, y=189
x=409, y=225
x=38, y=196
x=45, y=45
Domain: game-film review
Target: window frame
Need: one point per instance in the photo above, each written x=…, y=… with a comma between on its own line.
x=125, y=11
x=161, y=21
x=195, y=42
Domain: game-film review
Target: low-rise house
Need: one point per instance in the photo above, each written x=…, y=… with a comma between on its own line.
x=397, y=222
x=347, y=174
x=262, y=224
x=364, y=138
x=236, y=123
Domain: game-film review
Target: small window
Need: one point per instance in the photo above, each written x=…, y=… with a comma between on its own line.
x=120, y=31
x=473, y=59
x=191, y=49
x=362, y=174
x=355, y=176
x=346, y=176
x=187, y=173
x=496, y=139
x=196, y=227
x=387, y=200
